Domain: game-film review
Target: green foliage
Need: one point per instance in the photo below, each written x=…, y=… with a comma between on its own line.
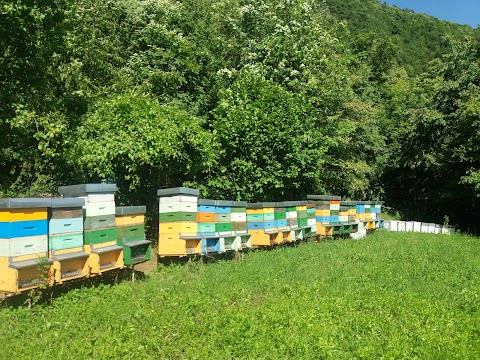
x=142, y=146
x=271, y=147
x=391, y=295
x=435, y=154
x=249, y=100
x=417, y=38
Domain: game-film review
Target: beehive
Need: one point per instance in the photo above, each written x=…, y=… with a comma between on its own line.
x=239, y=224
x=100, y=233
x=261, y=224
x=130, y=223
x=24, y=262
x=178, y=225
x=206, y=230
x=327, y=214
x=65, y=239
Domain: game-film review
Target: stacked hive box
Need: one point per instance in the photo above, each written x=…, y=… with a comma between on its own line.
x=282, y=223
x=100, y=234
x=130, y=223
x=178, y=222
x=224, y=226
x=24, y=262
x=378, y=211
x=280, y=216
x=361, y=215
x=311, y=219
x=370, y=223
x=261, y=224
x=65, y=239
x=206, y=219
x=239, y=224
x=347, y=217
x=338, y=228
x=302, y=219
x=295, y=232
x=326, y=213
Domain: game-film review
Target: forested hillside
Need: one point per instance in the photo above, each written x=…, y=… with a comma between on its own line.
x=253, y=100
x=416, y=38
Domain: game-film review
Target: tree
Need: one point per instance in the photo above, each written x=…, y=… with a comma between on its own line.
x=142, y=145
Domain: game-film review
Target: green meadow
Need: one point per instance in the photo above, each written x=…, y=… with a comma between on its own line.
x=392, y=295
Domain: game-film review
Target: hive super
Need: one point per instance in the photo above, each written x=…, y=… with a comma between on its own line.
x=83, y=234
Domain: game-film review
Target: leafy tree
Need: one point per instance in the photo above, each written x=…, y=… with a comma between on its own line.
x=434, y=172
x=142, y=145
x=270, y=146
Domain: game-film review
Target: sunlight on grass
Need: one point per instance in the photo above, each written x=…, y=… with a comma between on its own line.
x=392, y=294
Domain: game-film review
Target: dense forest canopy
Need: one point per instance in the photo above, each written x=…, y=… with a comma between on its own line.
x=252, y=100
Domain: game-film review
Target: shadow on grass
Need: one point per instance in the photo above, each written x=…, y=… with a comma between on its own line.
x=47, y=295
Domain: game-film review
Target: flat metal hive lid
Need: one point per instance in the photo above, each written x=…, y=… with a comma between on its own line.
x=239, y=204
x=260, y=205
x=324, y=197
x=61, y=203
x=178, y=191
x=25, y=203
x=209, y=202
x=85, y=189
x=223, y=203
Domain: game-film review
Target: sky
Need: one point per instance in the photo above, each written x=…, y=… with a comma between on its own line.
x=459, y=11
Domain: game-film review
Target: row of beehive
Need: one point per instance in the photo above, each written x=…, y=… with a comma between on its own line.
x=337, y=217
x=416, y=226
x=54, y=240
x=190, y=225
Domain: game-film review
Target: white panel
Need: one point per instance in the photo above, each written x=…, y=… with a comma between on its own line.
x=373, y=216
x=100, y=208
x=393, y=225
x=28, y=245
x=291, y=214
x=343, y=218
x=311, y=222
x=401, y=226
x=178, y=198
x=177, y=206
x=367, y=206
x=96, y=198
x=409, y=226
x=417, y=226
x=4, y=247
x=169, y=207
x=424, y=228
x=334, y=206
x=431, y=228
x=386, y=225
x=238, y=217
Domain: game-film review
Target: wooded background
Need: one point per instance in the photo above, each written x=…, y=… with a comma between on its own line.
x=247, y=100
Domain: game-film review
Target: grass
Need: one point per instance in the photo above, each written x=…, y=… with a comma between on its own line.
x=392, y=295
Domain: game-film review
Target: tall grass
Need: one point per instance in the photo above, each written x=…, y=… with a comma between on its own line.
x=392, y=295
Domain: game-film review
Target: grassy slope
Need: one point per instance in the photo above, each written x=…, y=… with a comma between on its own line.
x=393, y=294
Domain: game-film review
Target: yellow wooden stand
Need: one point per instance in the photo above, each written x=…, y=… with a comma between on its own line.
x=24, y=273
x=104, y=257
x=70, y=264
